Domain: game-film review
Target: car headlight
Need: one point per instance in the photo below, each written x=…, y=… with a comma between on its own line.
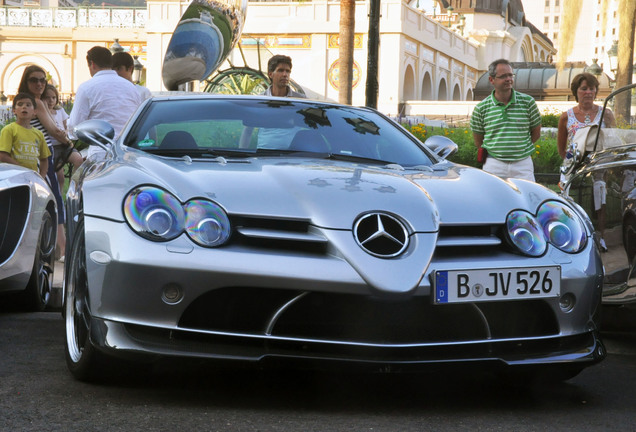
x=555, y=223
x=562, y=227
x=157, y=215
x=206, y=223
x=526, y=233
x=154, y=213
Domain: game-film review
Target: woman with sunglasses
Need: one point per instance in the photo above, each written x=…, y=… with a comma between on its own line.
x=34, y=83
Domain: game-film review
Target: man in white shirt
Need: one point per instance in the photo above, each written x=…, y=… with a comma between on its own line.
x=279, y=71
x=106, y=96
x=124, y=65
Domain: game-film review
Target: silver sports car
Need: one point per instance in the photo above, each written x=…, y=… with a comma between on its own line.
x=27, y=236
x=254, y=229
x=602, y=180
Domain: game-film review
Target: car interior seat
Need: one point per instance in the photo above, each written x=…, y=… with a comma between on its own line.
x=310, y=141
x=178, y=140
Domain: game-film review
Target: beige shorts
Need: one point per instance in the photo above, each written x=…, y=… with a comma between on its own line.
x=523, y=169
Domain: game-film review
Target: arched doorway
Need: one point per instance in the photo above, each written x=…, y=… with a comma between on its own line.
x=408, y=93
x=13, y=72
x=427, y=87
x=457, y=95
x=442, y=90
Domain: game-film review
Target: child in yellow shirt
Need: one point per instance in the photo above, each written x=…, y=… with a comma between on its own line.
x=21, y=144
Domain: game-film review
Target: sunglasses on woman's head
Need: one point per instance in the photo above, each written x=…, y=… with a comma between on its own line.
x=35, y=80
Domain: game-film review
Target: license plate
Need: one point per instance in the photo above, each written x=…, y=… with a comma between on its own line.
x=457, y=286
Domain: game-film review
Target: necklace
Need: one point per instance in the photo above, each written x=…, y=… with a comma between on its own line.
x=587, y=119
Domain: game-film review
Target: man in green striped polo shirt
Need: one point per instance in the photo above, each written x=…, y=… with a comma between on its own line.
x=506, y=124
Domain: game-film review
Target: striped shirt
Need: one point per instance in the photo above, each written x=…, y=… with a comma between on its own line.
x=506, y=127
x=35, y=123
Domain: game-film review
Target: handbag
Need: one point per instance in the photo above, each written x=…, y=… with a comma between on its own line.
x=61, y=157
x=482, y=154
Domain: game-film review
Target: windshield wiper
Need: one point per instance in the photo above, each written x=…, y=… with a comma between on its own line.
x=226, y=152
x=202, y=152
x=319, y=155
x=355, y=158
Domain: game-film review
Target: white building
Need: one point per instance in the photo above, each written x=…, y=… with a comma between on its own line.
x=422, y=56
x=593, y=36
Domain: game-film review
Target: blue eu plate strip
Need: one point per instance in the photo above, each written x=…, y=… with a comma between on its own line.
x=441, y=287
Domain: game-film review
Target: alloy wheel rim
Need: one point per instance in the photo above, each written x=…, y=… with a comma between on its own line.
x=76, y=328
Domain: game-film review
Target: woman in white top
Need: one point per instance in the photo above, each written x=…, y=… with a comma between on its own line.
x=584, y=87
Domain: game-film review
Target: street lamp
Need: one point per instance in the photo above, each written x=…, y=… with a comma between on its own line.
x=612, y=54
x=450, y=14
x=594, y=68
x=116, y=47
x=137, y=66
x=462, y=23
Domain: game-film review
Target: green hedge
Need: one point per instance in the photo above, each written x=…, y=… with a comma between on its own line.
x=546, y=157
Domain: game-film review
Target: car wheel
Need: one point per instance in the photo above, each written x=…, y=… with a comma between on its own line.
x=38, y=290
x=81, y=356
x=629, y=238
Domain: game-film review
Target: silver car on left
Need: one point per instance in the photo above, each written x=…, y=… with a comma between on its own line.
x=27, y=236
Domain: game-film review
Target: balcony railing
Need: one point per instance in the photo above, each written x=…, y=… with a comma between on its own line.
x=73, y=17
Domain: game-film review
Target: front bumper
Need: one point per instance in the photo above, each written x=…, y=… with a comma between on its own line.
x=136, y=341
x=242, y=304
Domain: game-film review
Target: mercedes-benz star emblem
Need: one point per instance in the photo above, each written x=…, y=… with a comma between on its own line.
x=381, y=235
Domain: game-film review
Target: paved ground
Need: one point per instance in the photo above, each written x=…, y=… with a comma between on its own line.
x=58, y=280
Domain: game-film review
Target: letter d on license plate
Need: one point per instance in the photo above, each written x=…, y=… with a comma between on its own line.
x=457, y=286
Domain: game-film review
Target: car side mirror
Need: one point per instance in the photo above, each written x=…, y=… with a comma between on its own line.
x=96, y=132
x=442, y=146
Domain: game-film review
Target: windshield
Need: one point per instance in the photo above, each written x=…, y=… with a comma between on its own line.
x=618, y=121
x=210, y=127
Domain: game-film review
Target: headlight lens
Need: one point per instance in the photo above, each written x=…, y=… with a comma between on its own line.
x=206, y=223
x=562, y=226
x=154, y=213
x=555, y=223
x=526, y=233
x=157, y=215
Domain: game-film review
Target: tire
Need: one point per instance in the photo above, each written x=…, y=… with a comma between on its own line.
x=38, y=289
x=629, y=238
x=81, y=356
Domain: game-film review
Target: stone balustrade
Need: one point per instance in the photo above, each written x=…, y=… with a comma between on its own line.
x=117, y=17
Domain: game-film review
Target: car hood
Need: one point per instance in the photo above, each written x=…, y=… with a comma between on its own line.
x=330, y=194
x=12, y=176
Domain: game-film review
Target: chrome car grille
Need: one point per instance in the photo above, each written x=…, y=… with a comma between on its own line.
x=292, y=234
x=14, y=210
x=279, y=234
x=470, y=235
